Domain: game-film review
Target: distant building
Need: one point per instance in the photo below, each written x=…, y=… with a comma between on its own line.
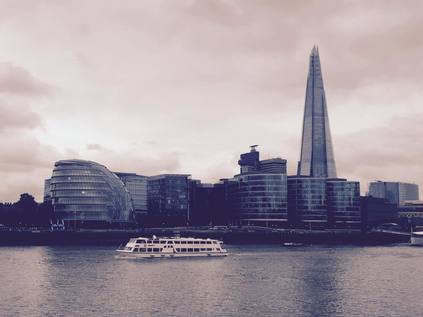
x=137, y=187
x=87, y=194
x=376, y=211
x=411, y=212
x=394, y=192
x=168, y=199
x=47, y=190
x=258, y=196
x=201, y=203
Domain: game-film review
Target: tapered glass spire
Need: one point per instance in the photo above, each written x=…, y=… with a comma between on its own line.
x=317, y=157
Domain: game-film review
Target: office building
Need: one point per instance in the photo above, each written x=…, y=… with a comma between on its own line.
x=137, y=187
x=307, y=202
x=256, y=196
x=87, y=194
x=343, y=204
x=168, y=200
x=394, y=192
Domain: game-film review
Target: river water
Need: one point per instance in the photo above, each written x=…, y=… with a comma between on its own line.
x=253, y=281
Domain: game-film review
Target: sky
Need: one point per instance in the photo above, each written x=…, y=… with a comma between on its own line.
x=185, y=86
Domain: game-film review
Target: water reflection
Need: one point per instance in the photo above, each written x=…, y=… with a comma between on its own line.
x=253, y=280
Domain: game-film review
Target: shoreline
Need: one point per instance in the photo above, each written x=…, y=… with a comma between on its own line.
x=117, y=237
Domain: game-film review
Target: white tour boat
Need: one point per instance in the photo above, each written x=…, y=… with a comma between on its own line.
x=416, y=238
x=171, y=247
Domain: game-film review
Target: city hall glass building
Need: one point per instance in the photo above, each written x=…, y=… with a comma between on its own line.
x=85, y=193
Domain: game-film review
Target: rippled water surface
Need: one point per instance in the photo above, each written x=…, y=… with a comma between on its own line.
x=252, y=281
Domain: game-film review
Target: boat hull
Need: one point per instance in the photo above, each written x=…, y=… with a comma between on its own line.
x=135, y=255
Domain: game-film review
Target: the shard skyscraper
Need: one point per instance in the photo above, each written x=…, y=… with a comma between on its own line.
x=317, y=159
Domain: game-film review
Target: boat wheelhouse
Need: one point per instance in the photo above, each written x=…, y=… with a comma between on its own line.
x=416, y=238
x=171, y=247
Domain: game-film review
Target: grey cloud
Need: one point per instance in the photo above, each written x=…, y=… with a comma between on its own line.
x=17, y=117
x=16, y=80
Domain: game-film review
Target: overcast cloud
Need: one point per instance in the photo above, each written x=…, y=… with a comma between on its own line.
x=185, y=86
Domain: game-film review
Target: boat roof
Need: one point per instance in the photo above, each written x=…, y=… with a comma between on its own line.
x=418, y=232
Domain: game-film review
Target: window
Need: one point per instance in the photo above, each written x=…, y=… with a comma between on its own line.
x=203, y=249
x=208, y=242
x=143, y=249
x=190, y=242
x=156, y=250
x=177, y=242
x=183, y=250
x=190, y=249
x=196, y=250
x=196, y=242
x=135, y=250
x=149, y=249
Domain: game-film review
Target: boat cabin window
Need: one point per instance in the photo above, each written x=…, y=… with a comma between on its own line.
x=177, y=242
x=156, y=250
x=196, y=250
x=140, y=241
x=214, y=242
x=156, y=241
x=202, y=242
x=183, y=250
x=149, y=241
x=208, y=242
x=196, y=242
x=190, y=242
x=163, y=241
x=149, y=249
x=143, y=249
x=135, y=250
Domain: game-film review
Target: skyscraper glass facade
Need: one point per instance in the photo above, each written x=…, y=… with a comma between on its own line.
x=307, y=201
x=84, y=191
x=343, y=203
x=317, y=158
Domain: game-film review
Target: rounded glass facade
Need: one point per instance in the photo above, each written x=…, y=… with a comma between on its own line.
x=88, y=191
x=259, y=198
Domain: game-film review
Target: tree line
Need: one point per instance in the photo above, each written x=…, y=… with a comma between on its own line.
x=26, y=212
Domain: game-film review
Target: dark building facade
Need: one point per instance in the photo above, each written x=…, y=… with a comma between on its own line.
x=376, y=211
x=201, y=206
x=168, y=200
x=394, y=192
x=258, y=196
x=87, y=194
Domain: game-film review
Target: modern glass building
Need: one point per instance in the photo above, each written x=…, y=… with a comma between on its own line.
x=307, y=202
x=343, y=203
x=258, y=195
x=317, y=158
x=394, y=192
x=259, y=199
x=85, y=193
x=168, y=199
x=47, y=191
x=137, y=187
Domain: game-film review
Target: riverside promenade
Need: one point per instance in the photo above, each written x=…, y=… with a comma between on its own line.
x=230, y=235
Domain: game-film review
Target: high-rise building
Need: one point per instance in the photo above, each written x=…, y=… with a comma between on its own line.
x=87, y=194
x=394, y=192
x=317, y=158
x=258, y=195
x=316, y=197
